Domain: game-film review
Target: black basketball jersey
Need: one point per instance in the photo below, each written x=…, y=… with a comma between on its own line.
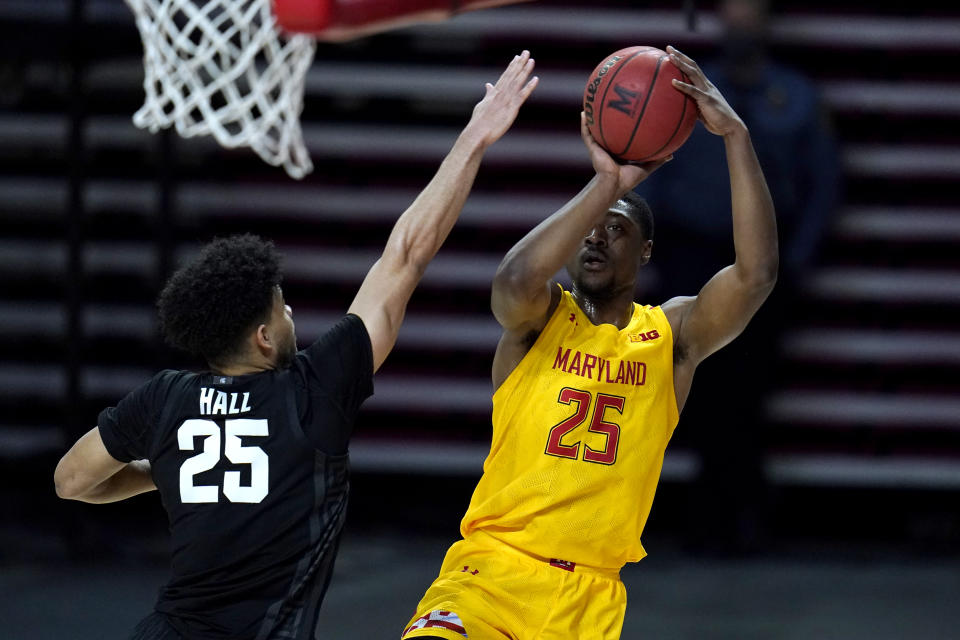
x=253, y=473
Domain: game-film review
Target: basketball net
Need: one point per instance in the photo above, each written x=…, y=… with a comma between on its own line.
x=223, y=68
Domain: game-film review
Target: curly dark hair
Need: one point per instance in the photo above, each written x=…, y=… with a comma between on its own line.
x=638, y=209
x=208, y=306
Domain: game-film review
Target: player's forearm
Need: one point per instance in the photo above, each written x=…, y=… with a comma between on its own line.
x=132, y=479
x=534, y=260
x=754, y=222
x=421, y=230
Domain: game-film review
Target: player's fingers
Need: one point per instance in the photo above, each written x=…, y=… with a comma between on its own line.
x=522, y=73
x=586, y=135
x=517, y=71
x=529, y=87
x=593, y=147
x=659, y=163
x=689, y=89
x=525, y=66
x=676, y=53
x=522, y=90
x=652, y=165
x=687, y=65
x=584, y=129
x=519, y=62
x=508, y=72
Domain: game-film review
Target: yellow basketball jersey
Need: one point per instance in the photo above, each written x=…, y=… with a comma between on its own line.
x=579, y=432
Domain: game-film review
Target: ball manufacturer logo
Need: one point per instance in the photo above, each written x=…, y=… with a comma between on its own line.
x=627, y=100
x=592, y=87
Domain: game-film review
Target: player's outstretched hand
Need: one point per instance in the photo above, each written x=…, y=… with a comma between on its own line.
x=496, y=112
x=717, y=116
x=627, y=175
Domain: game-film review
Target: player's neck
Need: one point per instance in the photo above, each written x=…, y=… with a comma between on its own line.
x=241, y=368
x=616, y=309
x=238, y=370
x=252, y=360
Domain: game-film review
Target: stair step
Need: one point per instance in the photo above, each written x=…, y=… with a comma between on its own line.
x=878, y=410
x=901, y=162
x=899, y=224
x=619, y=26
x=34, y=440
x=875, y=347
x=903, y=98
x=893, y=472
x=466, y=459
x=893, y=286
x=378, y=81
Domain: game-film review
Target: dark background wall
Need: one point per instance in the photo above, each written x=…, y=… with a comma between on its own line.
x=862, y=444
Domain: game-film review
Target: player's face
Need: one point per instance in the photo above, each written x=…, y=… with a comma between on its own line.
x=281, y=324
x=609, y=257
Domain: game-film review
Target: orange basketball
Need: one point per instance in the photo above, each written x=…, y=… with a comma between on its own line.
x=632, y=108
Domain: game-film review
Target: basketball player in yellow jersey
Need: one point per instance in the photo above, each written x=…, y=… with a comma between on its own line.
x=588, y=389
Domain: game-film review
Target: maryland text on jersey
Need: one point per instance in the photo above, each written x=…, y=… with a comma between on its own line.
x=593, y=367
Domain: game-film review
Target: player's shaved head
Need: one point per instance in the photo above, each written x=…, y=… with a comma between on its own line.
x=637, y=209
x=208, y=307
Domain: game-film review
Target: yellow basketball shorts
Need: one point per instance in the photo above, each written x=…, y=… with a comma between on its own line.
x=487, y=590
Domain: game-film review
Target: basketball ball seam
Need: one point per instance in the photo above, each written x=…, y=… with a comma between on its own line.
x=646, y=101
x=683, y=112
x=603, y=98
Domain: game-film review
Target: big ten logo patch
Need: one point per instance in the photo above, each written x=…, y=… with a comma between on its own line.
x=644, y=337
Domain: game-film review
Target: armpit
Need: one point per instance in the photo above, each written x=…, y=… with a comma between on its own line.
x=529, y=339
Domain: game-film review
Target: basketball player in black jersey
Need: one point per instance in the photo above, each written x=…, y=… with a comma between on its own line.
x=250, y=457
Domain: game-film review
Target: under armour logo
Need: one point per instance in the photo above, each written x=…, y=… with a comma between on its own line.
x=466, y=569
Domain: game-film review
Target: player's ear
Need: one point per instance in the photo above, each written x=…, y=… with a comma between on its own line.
x=263, y=340
x=646, y=250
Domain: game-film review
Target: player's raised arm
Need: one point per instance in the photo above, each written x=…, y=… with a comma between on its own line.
x=724, y=306
x=419, y=232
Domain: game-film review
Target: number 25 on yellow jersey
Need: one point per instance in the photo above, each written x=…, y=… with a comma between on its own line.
x=584, y=401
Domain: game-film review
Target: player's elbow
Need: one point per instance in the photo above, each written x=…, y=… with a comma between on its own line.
x=766, y=276
x=512, y=279
x=514, y=300
x=65, y=487
x=67, y=481
x=407, y=251
x=761, y=271
x=763, y=277
x=757, y=280
x=770, y=270
x=506, y=292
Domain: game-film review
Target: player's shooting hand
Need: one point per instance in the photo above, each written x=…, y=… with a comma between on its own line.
x=627, y=175
x=717, y=116
x=494, y=114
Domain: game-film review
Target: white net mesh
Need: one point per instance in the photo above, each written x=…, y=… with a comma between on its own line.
x=223, y=68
